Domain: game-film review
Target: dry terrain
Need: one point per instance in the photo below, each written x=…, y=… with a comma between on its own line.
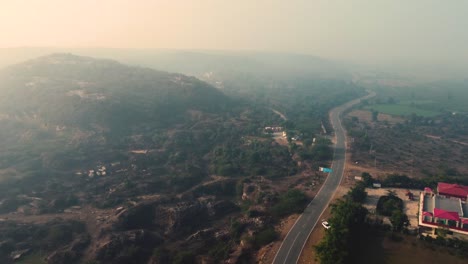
x=410, y=206
x=309, y=182
x=416, y=146
x=410, y=250
x=266, y=254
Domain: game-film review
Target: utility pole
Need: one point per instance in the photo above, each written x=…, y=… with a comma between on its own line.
x=412, y=163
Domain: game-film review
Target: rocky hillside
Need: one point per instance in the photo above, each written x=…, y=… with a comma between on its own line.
x=68, y=90
x=143, y=166
x=61, y=104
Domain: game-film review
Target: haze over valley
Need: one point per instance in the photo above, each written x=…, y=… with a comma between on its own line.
x=242, y=132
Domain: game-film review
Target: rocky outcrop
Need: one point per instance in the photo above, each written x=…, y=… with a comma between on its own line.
x=141, y=216
x=223, y=207
x=172, y=220
x=133, y=246
x=71, y=253
x=185, y=218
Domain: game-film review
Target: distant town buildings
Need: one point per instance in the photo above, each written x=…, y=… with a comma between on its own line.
x=273, y=129
x=101, y=170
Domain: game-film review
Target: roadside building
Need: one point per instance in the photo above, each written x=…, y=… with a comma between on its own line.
x=273, y=129
x=446, y=209
x=452, y=190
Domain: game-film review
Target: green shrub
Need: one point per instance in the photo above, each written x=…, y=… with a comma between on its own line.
x=389, y=203
x=291, y=202
x=265, y=237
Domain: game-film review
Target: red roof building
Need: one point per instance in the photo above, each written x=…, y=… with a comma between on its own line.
x=447, y=210
x=452, y=190
x=443, y=214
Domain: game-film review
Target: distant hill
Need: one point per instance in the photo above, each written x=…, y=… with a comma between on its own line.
x=69, y=90
x=63, y=103
x=199, y=62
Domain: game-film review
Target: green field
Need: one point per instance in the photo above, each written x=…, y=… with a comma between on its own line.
x=417, y=102
x=401, y=110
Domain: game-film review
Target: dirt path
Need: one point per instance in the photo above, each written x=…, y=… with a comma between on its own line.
x=267, y=253
x=280, y=114
x=450, y=140
x=214, y=179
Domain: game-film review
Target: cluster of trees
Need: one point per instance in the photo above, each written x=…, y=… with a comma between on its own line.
x=291, y=202
x=403, y=181
x=392, y=206
x=255, y=158
x=347, y=222
x=321, y=151
x=264, y=237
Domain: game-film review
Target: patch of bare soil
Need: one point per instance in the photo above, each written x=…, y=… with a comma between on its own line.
x=280, y=139
x=267, y=254
x=94, y=219
x=410, y=207
x=309, y=182
x=412, y=251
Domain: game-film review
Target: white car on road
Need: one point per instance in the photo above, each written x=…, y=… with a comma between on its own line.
x=326, y=225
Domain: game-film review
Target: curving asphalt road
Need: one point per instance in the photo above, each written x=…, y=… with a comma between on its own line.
x=295, y=240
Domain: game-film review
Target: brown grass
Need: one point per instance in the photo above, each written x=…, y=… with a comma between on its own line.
x=379, y=248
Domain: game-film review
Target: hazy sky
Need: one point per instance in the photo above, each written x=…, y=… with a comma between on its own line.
x=344, y=29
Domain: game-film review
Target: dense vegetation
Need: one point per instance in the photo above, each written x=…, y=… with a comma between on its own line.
x=291, y=202
x=350, y=224
x=347, y=222
x=254, y=157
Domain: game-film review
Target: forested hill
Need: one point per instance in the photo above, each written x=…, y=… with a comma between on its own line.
x=69, y=90
x=64, y=111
